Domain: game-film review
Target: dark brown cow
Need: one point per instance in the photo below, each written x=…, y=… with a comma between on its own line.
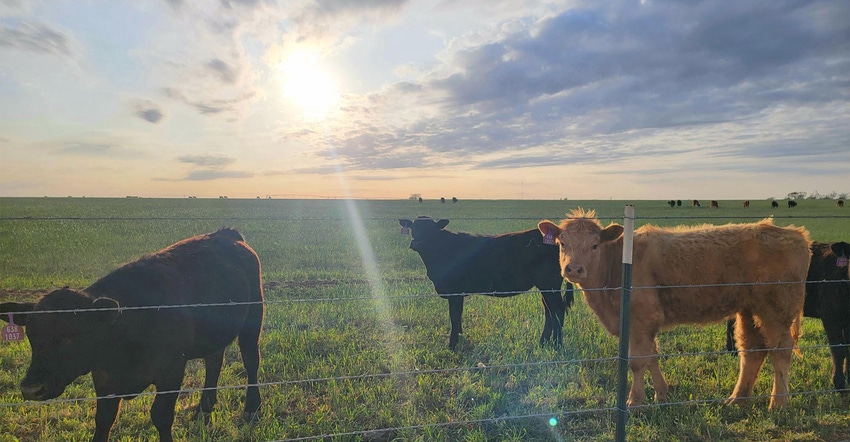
x=695, y=203
x=713, y=204
x=839, y=203
x=105, y=329
x=693, y=275
x=460, y=264
x=746, y=204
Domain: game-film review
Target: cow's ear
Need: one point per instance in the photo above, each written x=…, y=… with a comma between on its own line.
x=16, y=307
x=108, y=310
x=841, y=249
x=548, y=227
x=611, y=233
x=442, y=223
x=405, y=222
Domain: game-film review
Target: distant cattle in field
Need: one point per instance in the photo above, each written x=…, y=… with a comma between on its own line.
x=746, y=204
x=679, y=203
x=420, y=199
x=713, y=204
x=442, y=200
x=839, y=203
x=671, y=203
x=693, y=275
x=107, y=330
x=774, y=204
x=792, y=204
x=695, y=203
x=454, y=200
x=827, y=298
x=461, y=264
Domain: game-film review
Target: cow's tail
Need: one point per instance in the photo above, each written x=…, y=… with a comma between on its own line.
x=797, y=331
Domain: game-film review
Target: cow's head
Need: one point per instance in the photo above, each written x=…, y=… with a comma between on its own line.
x=842, y=249
x=421, y=229
x=63, y=343
x=581, y=239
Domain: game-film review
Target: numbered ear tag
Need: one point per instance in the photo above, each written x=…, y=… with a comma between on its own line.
x=12, y=332
x=549, y=238
x=405, y=231
x=841, y=261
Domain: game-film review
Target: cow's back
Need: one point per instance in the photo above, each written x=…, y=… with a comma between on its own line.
x=826, y=297
x=717, y=269
x=216, y=268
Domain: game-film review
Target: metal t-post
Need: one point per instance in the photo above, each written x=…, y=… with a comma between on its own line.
x=625, y=307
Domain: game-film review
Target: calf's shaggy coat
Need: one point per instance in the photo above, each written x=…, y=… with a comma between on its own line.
x=129, y=349
x=460, y=264
x=735, y=258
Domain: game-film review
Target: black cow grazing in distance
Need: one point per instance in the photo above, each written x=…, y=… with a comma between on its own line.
x=128, y=347
x=679, y=203
x=827, y=298
x=442, y=200
x=420, y=199
x=695, y=203
x=454, y=200
x=839, y=203
x=747, y=204
x=671, y=203
x=713, y=204
x=774, y=204
x=792, y=204
x=461, y=264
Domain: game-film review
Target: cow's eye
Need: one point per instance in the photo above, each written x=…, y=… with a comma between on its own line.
x=595, y=246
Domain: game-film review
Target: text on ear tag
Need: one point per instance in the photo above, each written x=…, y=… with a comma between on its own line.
x=405, y=231
x=841, y=261
x=12, y=332
x=549, y=238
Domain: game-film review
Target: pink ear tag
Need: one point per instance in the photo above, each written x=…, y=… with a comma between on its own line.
x=405, y=231
x=549, y=238
x=12, y=332
x=841, y=261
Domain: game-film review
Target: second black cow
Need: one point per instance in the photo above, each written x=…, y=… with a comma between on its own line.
x=461, y=264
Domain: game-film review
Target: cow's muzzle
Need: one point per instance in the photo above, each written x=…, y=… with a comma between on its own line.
x=574, y=272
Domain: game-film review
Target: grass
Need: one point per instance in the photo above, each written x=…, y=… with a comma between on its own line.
x=339, y=358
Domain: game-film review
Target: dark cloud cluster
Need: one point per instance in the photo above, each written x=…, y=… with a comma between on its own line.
x=34, y=37
x=618, y=67
x=209, y=106
x=213, y=161
x=148, y=111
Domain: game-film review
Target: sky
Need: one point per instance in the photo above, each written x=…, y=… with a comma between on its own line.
x=477, y=99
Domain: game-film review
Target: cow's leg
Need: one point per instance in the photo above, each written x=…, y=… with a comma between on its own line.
x=730, y=335
x=455, y=314
x=554, y=309
x=162, y=410
x=212, y=369
x=780, y=358
x=249, y=339
x=748, y=338
x=839, y=352
x=641, y=345
x=104, y=417
x=658, y=381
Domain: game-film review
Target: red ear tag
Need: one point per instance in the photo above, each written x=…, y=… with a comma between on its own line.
x=549, y=238
x=12, y=332
x=405, y=231
x=841, y=261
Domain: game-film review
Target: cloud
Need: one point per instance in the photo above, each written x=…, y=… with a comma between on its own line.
x=34, y=37
x=223, y=70
x=587, y=82
x=213, y=161
x=210, y=106
x=207, y=175
x=148, y=111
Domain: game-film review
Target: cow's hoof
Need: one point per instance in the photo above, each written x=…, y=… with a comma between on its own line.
x=251, y=416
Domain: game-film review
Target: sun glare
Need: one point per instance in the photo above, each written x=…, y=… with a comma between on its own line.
x=308, y=86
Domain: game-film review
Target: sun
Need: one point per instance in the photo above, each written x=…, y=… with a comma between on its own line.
x=308, y=85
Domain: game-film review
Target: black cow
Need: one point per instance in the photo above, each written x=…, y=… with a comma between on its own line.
x=774, y=204
x=713, y=204
x=792, y=204
x=102, y=329
x=695, y=203
x=746, y=204
x=461, y=264
x=454, y=200
x=827, y=298
x=443, y=200
x=678, y=203
x=839, y=203
x=671, y=203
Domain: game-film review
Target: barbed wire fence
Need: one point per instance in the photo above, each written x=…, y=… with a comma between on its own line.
x=616, y=410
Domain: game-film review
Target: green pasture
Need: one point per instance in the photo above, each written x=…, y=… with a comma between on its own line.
x=357, y=358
